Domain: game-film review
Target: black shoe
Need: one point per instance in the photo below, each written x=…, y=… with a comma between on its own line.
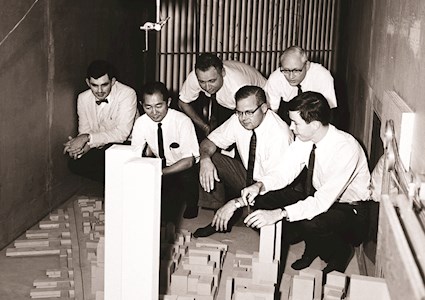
x=304, y=262
x=190, y=212
x=204, y=231
x=340, y=262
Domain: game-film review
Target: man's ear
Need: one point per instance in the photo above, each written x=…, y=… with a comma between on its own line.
x=264, y=107
x=307, y=65
x=169, y=101
x=223, y=72
x=88, y=82
x=113, y=81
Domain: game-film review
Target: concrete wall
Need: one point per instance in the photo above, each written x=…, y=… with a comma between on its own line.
x=382, y=49
x=42, y=69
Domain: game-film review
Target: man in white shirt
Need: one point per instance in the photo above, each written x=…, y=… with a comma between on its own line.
x=208, y=93
x=106, y=114
x=297, y=74
x=334, y=214
x=170, y=136
x=252, y=121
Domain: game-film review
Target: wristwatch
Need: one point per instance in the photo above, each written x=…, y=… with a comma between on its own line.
x=238, y=204
x=284, y=215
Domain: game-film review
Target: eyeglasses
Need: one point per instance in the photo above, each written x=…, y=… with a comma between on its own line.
x=296, y=72
x=248, y=113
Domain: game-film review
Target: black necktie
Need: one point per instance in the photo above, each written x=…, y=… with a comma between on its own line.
x=161, y=145
x=214, y=112
x=309, y=189
x=251, y=160
x=299, y=89
x=99, y=102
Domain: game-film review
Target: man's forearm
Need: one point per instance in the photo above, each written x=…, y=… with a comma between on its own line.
x=189, y=111
x=207, y=149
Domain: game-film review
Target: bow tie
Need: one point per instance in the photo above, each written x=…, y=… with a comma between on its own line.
x=99, y=102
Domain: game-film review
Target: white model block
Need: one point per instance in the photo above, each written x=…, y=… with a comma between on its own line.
x=264, y=271
x=267, y=241
x=368, y=288
x=336, y=278
x=131, y=264
x=302, y=288
x=317, y=275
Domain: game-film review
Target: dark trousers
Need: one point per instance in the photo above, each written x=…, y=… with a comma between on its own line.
x=177, y=189
x=329, y=233
x=91, y=165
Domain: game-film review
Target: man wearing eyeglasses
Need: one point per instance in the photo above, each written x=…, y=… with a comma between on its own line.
x=295, y=75
x=272, y=138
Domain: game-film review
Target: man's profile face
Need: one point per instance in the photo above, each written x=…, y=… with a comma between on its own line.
x=294, y=68
x=301, y=129
x=210, y=80
x=249, y=113
x=155, y=106
x=101, y=87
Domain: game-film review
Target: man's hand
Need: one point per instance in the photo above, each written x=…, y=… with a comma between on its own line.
x=81, y=152
x=77, y=147
x=223, y=215
x=250, y=192
x=260, y=218
x=207, y=174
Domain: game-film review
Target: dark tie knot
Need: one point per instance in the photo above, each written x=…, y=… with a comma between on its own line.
x=99, y=102
x=159, y=125
x=300, y=91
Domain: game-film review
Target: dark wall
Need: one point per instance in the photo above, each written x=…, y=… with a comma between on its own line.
x=43, y=63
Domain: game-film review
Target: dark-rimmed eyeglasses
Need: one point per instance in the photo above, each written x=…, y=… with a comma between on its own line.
x=247, y=113
x=296, y=72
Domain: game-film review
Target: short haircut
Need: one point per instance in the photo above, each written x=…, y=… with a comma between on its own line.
x=155, y=87
x=312, y=106
x=294, y=50
x=248, y=90
x=208, y=60
x=98, y=68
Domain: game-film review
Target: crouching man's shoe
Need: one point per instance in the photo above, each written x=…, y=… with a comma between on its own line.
x=304, y=262
x=204, y=231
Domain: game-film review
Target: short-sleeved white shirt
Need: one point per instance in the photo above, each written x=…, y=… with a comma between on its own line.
x=273, y=139
x=237, y=75
x=178, y=133
x=317, y=79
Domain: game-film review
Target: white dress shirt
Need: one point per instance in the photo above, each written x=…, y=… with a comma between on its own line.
x=237, y=75
x=341, y=173
x=317, y=79
x=108, y=122
x=178, y=134
x=273, y=139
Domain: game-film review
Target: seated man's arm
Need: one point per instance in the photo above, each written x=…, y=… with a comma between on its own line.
x=179, y=166
x=208, y=172
x=196, y=119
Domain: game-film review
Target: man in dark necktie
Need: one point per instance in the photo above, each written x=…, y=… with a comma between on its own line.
x=296, y=74
x=254, y=128
x=170, y=136
x=333, y=214
x=106, y=114
x=207, y=95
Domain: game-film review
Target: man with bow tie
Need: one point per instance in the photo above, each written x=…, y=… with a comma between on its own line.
x=106, y=114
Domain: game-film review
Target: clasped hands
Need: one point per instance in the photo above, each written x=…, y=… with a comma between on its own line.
x=76, y=147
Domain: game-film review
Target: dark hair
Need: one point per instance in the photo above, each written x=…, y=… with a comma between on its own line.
x=248, y=90
x=312, y=106
x=155, y=87
x=98, y=68
x=208, y=60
